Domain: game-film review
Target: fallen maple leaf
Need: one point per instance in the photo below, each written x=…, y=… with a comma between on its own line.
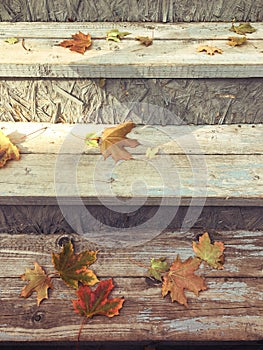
x=210, y=50
x=96, y=302
x=145, y=40
x=72, y=267
x=181, y=276
x=39, y=282
x=113, y=141
x=116, y=35
x=80, y=42
x=7, y=150
x=151, y=152
x=157, y=268
x=242, y=28
x=11, y=41
x=236, y=41
x=211, y=253
x=92, y=139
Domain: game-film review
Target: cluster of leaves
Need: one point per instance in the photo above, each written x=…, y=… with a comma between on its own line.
x=80, y=42
x=180, y=275
x=74, y=270
x=241, y=29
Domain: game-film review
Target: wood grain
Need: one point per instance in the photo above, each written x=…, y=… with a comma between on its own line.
x=43, y=57
x=132, y=10
x=145, y=101
x=231, y=309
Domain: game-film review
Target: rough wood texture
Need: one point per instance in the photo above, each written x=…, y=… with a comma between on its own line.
x=231, y=309
x=132, y=10
x=146, y=101
x=180, y=173
x=173, y=57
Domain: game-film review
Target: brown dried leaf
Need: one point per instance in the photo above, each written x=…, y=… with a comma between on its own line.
x=145, y=40
x=236, y=41
x=113, y=141
x=210, y=50
x=39, y=282
x=181, y=276
x=80, y=42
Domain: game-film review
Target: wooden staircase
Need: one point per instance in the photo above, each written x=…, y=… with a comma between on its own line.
x=204, y=113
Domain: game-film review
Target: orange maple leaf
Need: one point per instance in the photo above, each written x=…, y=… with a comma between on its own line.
x=113, y=141
x=80, y=42
x=91, y=303
x=181, y=276
x=39, y=282
x=211, y=253
x=7, y=150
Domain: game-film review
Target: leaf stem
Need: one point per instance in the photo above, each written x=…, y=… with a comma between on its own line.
x=138, y=263
x=80, y=330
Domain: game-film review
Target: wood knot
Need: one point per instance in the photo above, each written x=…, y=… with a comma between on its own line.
x=38, y=317
x=64, y=239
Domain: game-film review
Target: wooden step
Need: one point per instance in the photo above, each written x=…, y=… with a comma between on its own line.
x=172, y=55
x=197, y=165
x=231, y=309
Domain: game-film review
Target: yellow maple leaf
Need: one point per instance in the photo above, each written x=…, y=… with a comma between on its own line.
x=7, y=150
x=210, y=50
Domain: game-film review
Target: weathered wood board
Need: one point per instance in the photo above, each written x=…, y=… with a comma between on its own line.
x=173, y=57
x=184, y=170
x=231, y=309
x=132, y=10
x=146, y=101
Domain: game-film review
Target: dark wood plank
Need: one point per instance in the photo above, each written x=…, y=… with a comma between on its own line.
x=231, y=309
x=159, y=101
x=143, y=10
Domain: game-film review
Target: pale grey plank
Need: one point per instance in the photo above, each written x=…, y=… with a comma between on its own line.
x=217, y=179
x=175, y=59
x=185, y=139
x=98, y=30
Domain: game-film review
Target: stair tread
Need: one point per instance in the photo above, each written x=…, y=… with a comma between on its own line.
x=172, y=55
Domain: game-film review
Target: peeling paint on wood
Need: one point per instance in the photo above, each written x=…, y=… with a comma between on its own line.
x=231, y=309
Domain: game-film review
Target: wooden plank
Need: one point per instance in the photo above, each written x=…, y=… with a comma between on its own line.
x=210, y=179
x=98, y=30
x=243, y=251
x=129, y=59
x=231, y=309
x=142, y=10
x=185, y=139
x=159, y=101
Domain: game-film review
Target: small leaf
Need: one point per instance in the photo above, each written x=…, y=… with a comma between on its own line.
x=92, y=139
x=7, y=150
x=39, y=282
x=157, y=268
x=242, y=28
x=145, y=40
x=80, y=42
x=11, y=41
x=151, y=152
x=211, y=253
x=116, y=35
x=210, y=50
x=181, y=276
x=91, y=303
x=72, y=267
x=236, y=40
x=113, y=141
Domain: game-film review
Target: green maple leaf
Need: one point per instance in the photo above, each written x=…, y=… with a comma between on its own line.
x=116, y=35
x=242, y=28
x=73, y=268
x=157, y=268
